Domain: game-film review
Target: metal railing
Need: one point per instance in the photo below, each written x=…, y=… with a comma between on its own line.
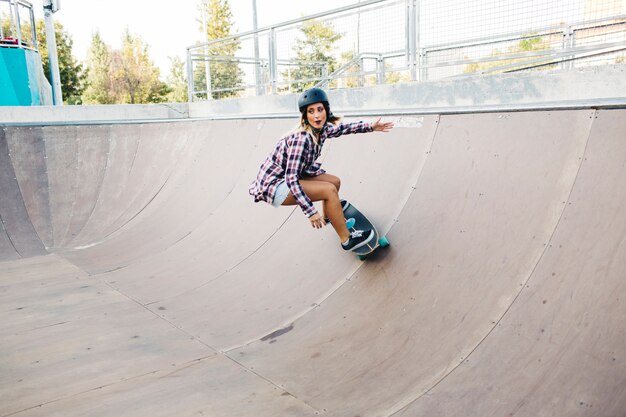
x=17, y=25
x=390, y=41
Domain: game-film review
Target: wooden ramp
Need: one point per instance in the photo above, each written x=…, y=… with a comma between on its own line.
x=138, y=278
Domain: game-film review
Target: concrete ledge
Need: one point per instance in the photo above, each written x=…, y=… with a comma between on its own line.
x=93, y=113
x=602, y=86
x=586, y=87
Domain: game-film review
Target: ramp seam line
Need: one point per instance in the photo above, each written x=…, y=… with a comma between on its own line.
x=221, y=274
x=419, y=174
x=269, y=381
x=110, y=384
x=30, y=221
x=523, y=286
x=74, y=188
x=130, y=171
x=99, y=191
x=201, y=341
x=350, y=276
x=4, y=227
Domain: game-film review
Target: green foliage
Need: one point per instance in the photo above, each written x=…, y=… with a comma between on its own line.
x=524, y=45
x=72, y=73
x=99, y=81
x=177, y=81
x=121, y=76
x=224, y=70
x=351, y=77
x=317, y=46
x=135, y=77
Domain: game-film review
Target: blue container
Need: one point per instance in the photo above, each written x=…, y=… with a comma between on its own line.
x=22, y=81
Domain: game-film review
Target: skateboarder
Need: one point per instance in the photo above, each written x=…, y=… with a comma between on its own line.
x=290, y=175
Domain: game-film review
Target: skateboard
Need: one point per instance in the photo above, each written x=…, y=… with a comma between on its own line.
x=357, y=220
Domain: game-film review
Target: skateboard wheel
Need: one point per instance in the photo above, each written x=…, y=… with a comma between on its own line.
x=383, y=241
x=362, y=257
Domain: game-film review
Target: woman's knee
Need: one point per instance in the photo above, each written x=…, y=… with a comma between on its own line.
x=327, y=178
x=334, y=180
x=337, y=183
x=330, y=189
x=320, y=190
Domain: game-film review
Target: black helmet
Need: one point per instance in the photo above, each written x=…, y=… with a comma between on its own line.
x=312, y=96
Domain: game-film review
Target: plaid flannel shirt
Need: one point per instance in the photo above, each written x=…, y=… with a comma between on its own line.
x=293, y=158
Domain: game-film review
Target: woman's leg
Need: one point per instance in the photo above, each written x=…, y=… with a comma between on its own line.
x=333, y=179
x=327, y=192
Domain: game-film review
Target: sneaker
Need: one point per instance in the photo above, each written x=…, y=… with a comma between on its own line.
x=358, y=238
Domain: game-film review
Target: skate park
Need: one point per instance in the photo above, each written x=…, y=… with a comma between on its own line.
x=139, y=278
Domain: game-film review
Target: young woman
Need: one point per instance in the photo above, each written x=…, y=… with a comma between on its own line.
x=290, y=175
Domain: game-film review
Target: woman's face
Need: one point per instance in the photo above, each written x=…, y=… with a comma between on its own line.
x=316, y=115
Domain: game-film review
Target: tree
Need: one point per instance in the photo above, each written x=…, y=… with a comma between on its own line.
x=316, y=47
x=226, y=76
x=72, y=73
x=135, y=77
x=99, y=81
x=177, y=81
x=122, y=76
x=351, y=77
x=524, y=45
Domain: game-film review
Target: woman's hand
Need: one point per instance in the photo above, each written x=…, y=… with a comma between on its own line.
x=317, y=221
x=382, y=127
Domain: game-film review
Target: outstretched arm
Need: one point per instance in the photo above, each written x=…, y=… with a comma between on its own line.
x=357, y=127
x=379, y=126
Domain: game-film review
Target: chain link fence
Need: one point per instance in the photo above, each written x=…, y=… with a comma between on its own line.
x=392, y=41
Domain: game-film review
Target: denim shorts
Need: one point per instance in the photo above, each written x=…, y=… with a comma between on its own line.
x=282, y=192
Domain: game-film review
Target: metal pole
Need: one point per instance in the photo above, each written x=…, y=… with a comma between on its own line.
x=207, y=66
x=33, y=29
x=417, y=52
x=569, y=43
x=190, y=80
x=358, y=32
x=272, y=60
x=412, y=41
x=53, y=59
x=18, y=25
x=257, y=64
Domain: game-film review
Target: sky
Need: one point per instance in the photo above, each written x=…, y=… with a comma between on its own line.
x=168, y=27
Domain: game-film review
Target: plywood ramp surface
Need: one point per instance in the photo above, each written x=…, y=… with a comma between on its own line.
x=138, y=277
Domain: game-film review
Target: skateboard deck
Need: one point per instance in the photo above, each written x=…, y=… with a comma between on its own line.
x=361, y=222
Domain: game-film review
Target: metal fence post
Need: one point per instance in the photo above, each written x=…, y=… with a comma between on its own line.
x=209, y=86
x=380, y=69
x=257, y=63
x=207, y=64
x=413, y=41
x=569, y=41
x=190, y=84
x=50, y=7
x=272, y=61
